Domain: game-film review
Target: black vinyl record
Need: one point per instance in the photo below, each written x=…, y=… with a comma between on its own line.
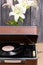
x=10, y=49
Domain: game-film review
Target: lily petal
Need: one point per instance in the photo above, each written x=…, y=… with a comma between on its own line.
x=12, y=7
x=24, y=10
x=16, y=17
x=4, y=5
x=20, y=1
x=11, y=13
x=22, y=16
x=10, y=2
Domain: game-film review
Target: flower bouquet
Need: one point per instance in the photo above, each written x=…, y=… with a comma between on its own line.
x=18, y=10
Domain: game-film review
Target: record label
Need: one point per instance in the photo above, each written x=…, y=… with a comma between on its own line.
x=7, y=48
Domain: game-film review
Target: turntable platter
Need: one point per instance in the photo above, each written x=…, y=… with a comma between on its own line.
x=8, y=48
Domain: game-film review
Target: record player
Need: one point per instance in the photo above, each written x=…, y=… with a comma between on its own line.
x=18, y=43
x=18, y=47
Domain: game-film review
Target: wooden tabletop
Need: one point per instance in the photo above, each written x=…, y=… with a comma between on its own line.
x=40, y=53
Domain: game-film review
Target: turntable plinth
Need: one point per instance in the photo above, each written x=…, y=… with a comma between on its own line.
x=28, y=62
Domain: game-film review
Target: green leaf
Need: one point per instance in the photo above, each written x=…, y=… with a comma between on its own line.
x=14, y=23
x=21, y=19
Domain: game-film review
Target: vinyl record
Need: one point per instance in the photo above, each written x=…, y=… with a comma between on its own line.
x=10, y=49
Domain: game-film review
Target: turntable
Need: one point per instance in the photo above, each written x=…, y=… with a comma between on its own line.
x=18, y=43
x=16, y=51
x=18, y=48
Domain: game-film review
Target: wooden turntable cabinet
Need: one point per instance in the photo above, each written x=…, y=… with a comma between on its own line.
x=18, y=33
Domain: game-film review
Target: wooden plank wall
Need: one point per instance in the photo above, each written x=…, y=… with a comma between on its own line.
x=36, y=17
x=40, y=38
x=0, y=12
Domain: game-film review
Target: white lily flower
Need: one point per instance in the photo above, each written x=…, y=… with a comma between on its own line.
x=33, y=3
x=27, y=3
x=17, y=11
x=8, y=3
x=23, y=3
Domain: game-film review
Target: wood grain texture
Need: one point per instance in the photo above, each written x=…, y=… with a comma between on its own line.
x=28, y=30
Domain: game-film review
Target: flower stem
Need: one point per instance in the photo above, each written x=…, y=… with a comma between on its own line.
x=12, y=23
x=21, y=20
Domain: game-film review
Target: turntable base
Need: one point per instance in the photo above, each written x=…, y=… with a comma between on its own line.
x=28, y=62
